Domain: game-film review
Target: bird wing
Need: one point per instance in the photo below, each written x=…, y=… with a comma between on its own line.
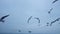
x=4, y=17
x=38, y=19
x=52, y=23
x=57, y=19
x=29, y=19
x=54, y=1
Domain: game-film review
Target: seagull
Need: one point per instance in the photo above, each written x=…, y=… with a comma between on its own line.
x=37, y=19
x=2, y=18
x=50, y=10
x=54, y=1
x=29, y=19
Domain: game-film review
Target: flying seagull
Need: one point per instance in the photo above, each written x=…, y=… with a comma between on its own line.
x=50, y=10
x=37, y=19
x=29, y=19
x=54, y=1
x=2, y=18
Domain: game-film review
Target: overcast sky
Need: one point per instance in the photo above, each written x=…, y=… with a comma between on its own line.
x=21, y=10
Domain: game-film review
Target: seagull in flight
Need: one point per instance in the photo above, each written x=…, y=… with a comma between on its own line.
x=2, y=18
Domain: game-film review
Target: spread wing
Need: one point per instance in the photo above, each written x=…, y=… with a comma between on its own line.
x=57, y=19
x=29, y=19
x=38, y=19
x=54, y=1
x=4, y=17
x=54, y=21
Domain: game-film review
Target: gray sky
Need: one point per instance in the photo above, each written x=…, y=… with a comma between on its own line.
x=21, y=10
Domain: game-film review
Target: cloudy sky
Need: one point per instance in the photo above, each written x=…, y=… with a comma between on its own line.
x=19, y=12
